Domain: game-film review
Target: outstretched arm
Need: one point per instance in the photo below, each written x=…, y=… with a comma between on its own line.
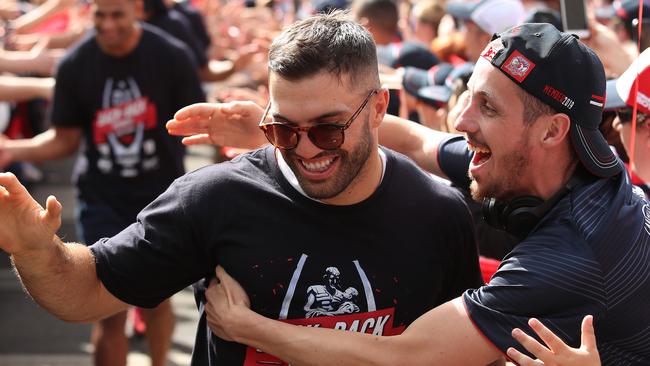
x=60, y=277
x=235, y=124
x=443, y=336
x=223, y=124
x=555, y=351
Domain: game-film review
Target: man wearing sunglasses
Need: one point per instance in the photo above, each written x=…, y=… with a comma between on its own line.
x=545, y=172
x=324, y=228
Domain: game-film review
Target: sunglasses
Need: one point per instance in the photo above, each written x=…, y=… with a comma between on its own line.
x=326, y=136
x=625, y=116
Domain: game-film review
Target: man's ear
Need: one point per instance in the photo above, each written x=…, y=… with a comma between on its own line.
x=379, y=107
x=556, y=129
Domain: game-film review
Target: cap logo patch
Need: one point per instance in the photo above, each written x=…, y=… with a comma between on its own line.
x=558, y=96
x=491, y=50
x=518, y=66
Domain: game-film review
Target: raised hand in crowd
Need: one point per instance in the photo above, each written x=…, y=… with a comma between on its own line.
x=38, y=59
x=223, y=124
x=19, y=88
x=555, y=352
x=9, y=10
x=19, y=210
x=615, y=55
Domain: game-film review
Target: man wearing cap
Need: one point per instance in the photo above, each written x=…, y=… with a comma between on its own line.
x=531, y=125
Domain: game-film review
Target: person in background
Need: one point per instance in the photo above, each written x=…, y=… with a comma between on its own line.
x=110, y=98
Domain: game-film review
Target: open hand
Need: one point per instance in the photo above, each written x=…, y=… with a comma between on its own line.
x=223, y=124
x=556, y=352
x=24, y=224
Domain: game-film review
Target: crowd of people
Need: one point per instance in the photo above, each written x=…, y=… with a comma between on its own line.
x=382, y=156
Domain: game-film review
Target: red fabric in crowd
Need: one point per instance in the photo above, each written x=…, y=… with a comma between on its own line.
x=488, y=267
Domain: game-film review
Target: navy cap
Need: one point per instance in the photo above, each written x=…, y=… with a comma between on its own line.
x=435, y=96
x=434, y=86
x=326, y=6
x=406, y=54
x=562, y=72
x=415, y=78
x=462, y=71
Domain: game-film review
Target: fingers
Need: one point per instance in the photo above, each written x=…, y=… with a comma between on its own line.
x=531, y=344
x=186, y=127
x=521, y=358
x=552, y=341
x=221, y=273
x=236, y=294
x=203, y=110
x=209, y=110
x=52, y=213
x=200, y=139
x=588, y=334
x=11, y=184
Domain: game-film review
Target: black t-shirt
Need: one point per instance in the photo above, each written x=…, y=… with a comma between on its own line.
x=122, y=105
x=196, y=20
x=374, y=266
x=590, y=254
x=177, y=25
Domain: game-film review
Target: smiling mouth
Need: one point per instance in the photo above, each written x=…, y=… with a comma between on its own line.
x=318, y=166
x=481, y=154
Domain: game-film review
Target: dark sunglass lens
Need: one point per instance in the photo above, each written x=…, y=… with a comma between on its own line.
x=281, y=136
x=326, y=137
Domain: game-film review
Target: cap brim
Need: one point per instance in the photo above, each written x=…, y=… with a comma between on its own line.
x=461, y=9
x=613, y=100
x=414, y=79
x=435, y=96
x=594, y=152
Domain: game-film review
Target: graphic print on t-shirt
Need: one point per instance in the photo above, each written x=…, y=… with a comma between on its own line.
x=329, y=298
x=120, y=130
x=337, y=297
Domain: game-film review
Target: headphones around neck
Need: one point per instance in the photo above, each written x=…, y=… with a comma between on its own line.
x=520, y=215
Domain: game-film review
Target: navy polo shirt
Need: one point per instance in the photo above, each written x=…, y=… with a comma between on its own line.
x=590, y=254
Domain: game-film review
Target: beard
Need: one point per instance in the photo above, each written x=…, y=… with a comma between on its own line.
x=503, y=183
x=350, y=166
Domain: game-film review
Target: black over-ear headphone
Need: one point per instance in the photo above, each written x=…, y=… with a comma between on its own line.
x=520, y=215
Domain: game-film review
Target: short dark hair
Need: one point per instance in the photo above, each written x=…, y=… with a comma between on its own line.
x=533, y=107
x=381, y=13
x=326, y=42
